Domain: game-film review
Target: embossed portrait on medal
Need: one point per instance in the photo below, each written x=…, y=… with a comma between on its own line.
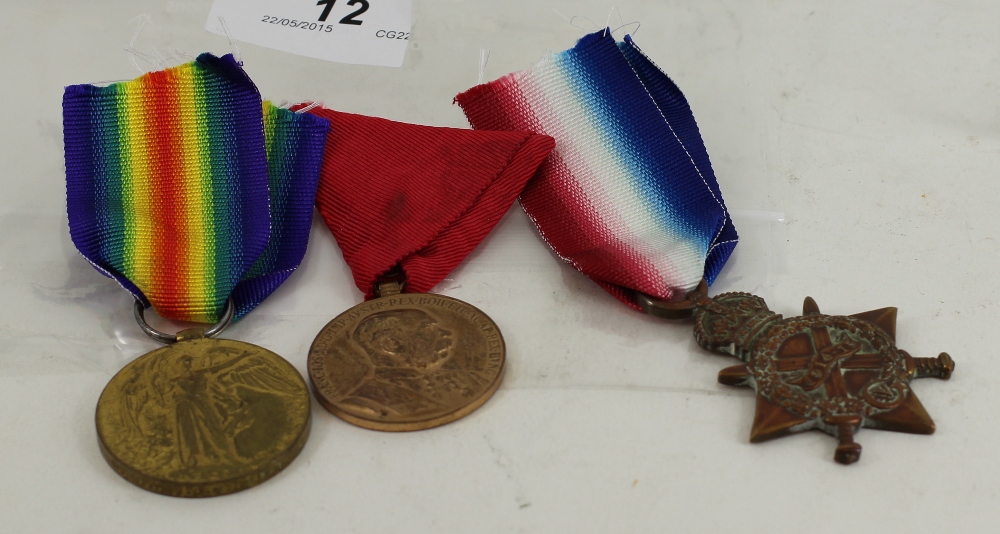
x=400, y=361
x=409, y=351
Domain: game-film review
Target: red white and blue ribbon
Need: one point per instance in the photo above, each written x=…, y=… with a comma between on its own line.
x=628, y=196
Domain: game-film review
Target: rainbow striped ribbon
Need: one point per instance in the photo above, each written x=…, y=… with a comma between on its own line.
x=628, y=196
x=295, y=146
x=187, y=189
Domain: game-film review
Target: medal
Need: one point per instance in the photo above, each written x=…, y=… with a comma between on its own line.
x=203, y=417
x=628, y=197
x=196, y=197
x=424, y=360
x=407, y=204
x=833, y=373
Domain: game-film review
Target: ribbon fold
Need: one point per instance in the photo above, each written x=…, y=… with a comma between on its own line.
x=418, y=197
x=628, y=196
x=187, y=189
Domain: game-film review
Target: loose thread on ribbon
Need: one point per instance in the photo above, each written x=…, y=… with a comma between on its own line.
x=159, y=58
x=484, y=58
x=633, y=32
x=132, y=51
x=607, y=23
x=313, y=105
x=233, y=47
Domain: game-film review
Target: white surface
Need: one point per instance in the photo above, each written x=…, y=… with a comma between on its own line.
x=856, y=141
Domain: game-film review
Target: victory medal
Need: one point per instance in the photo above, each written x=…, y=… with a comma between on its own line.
x=203, y=417
x=196, y=196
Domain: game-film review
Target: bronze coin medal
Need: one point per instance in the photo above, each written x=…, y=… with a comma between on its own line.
x=629, y=198
x=406, y=204
x=196, y=196
x=406, y=361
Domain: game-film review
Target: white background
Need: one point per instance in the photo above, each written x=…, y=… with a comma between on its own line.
x=856, y=141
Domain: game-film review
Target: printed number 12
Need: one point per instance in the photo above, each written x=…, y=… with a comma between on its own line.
x=349, y=19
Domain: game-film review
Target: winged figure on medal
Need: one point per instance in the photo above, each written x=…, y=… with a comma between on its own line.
x=215, y=410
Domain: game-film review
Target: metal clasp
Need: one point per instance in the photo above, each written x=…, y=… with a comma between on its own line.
x=393, y=282
x=675, y=310
x=187, y=334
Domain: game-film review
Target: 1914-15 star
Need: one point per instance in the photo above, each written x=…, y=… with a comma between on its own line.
x=816, y=371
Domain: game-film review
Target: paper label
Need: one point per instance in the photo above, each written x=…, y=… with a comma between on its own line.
x=366, y=32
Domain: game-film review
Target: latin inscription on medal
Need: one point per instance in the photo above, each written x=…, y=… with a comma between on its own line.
x=407, y=362
x=203, y=417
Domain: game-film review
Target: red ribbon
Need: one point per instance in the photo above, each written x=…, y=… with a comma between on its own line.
x=420, y=197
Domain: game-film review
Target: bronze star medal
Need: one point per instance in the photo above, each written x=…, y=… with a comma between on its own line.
x=832, y=373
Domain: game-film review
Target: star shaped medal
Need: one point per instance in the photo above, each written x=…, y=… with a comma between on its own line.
x=628, y=197
x=832, y=373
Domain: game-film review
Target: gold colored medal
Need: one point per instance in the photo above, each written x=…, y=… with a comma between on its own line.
x=406, y=361
x=203, y=417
